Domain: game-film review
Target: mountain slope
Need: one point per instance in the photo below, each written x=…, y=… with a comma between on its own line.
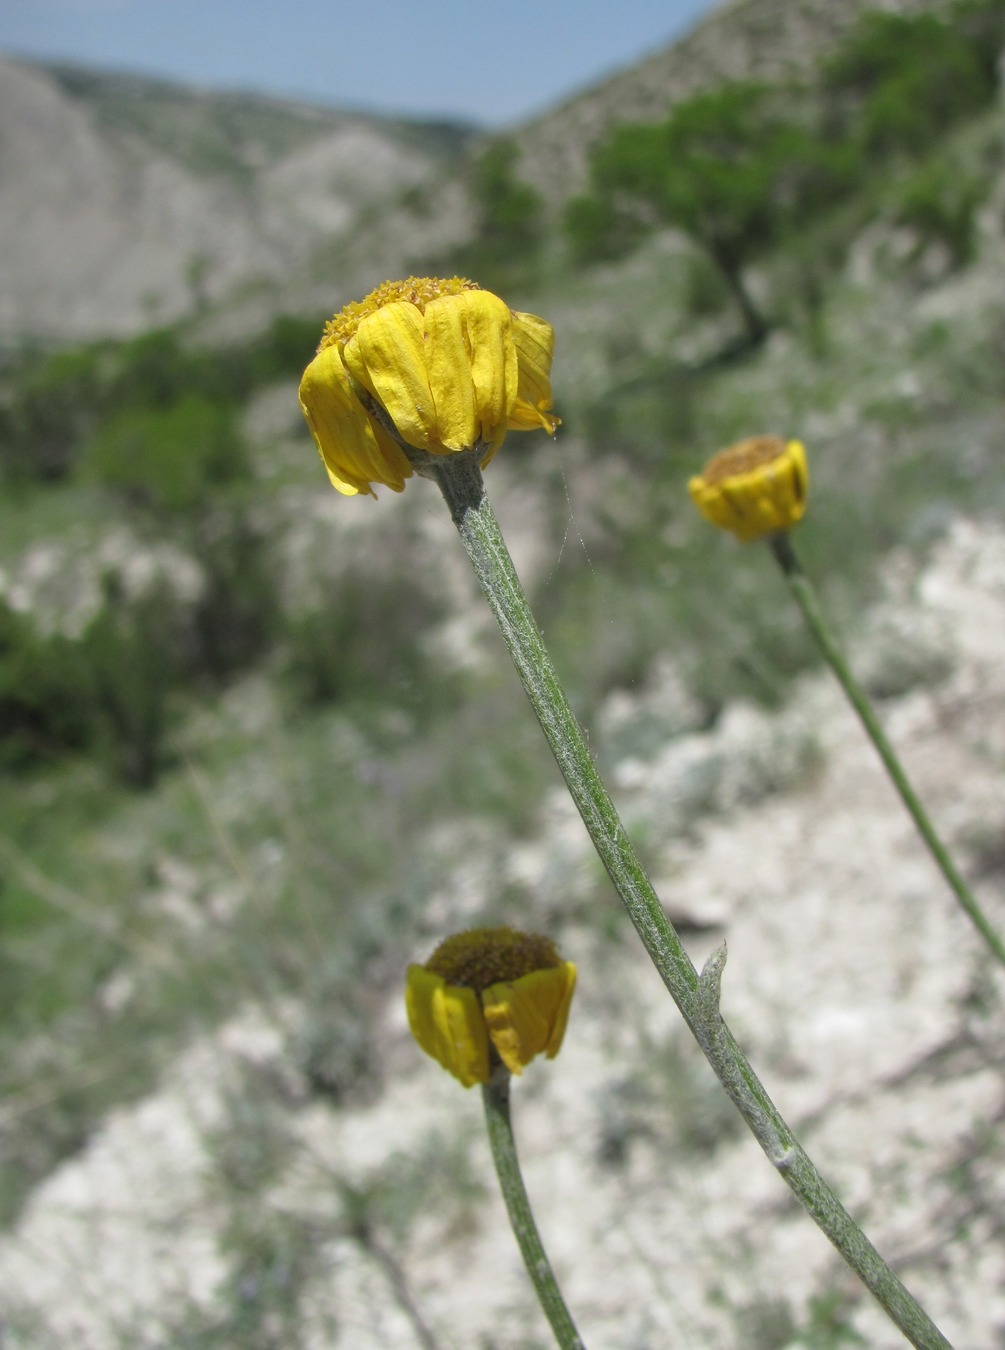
x=128, y=202
x=742, y=39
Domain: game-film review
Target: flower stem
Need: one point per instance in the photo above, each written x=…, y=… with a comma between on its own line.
x=495, y=1095
x=806, y=597
x=459, y=479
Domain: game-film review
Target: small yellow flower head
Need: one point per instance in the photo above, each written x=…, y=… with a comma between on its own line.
x=756, y=487
x=487, y=995
x=440, y=364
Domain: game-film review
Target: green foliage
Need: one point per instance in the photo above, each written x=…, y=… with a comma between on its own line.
x=734, y=168
x=900, y=82
x=829, y=1326
x=131, y=652
x=597, y=231
x=52, y=406
x=282, y=351
x=510, y=221
x=156, y=370
x=940, y=203
x=982, y=24
x=56, y=406
x=237, y=615
x=45, y=691
x=705, y=292
x=363, y=640
x=168, y=460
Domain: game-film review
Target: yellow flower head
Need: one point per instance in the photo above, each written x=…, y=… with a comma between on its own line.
x=756, y=487
x=487, y=995
x=440, y=365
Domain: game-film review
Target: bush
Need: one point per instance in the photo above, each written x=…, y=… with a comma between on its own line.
x=597, y=231
x=899, y=82
x=236, y=617
x=131, y=652
x=168, y=460
x=734, y=168
x=940, y=204
x=46, y=694
x=510, y=221
x=53, y=406
x=363, y=640
x=283, y=350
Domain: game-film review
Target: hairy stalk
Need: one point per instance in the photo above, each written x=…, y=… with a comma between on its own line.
x=459, y=479
x=806, y=597
x=495, y=1096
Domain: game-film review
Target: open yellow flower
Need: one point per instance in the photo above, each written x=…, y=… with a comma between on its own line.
x=490, y=995
x=756, y=487
x=440, y=365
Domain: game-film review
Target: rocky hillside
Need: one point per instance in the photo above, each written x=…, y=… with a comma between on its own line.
x=858, y=988
x=741, y=39
x=261, y=747
x=126, y=202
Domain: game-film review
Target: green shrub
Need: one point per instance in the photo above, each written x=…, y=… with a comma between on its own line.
x=597, y=231
x=156, y=370
x=53, y=405
x=283, y=350
x=168, y=460
x=364, y=640
x=237, y=614
x=940, y=203
x=900, y=82
x=510, y=221
x=131, y=650
x=45, y=693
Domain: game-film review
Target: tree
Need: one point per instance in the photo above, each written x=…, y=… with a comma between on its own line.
x=732, y=168
x=510, y=220
x=897, y=83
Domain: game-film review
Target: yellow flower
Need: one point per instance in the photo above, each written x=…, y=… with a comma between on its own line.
x=756, y=487
x=438, y=364
x=487, y=995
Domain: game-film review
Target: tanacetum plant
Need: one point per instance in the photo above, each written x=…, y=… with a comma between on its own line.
x=485, y=1004
x=756, y=487
x=426, y=365
x=427, y=376
x=759, y=488
x=487, y=997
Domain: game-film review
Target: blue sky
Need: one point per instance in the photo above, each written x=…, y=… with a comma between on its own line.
x=494, y=63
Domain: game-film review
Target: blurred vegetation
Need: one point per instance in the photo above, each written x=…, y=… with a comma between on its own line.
x=732, y=168
x=509, y=232
x=748, y=167
x=292, y=751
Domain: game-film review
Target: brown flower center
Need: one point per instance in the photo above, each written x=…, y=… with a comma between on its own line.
x=487, y=956
x=743, y=457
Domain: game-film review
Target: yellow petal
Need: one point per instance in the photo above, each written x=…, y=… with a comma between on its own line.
x=495, y=369
x=388, y=358
x=447, y=1022
x=448, y=364
x=355, y=452
x=757, y=500
x=561, y=1018
x=535, y=345
x=527, y=1016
